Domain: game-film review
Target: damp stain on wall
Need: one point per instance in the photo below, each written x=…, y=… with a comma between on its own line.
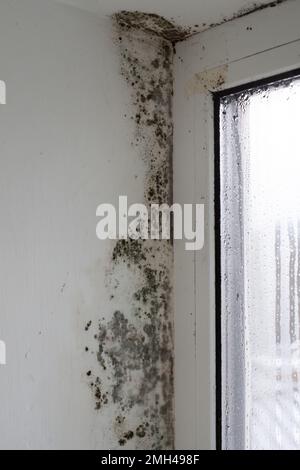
x=207, y=81
x=134, y=340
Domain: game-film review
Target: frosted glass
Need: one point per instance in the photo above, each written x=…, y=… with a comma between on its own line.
x=260, y=267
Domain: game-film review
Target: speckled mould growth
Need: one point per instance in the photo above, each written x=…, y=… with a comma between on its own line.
x=135, y=347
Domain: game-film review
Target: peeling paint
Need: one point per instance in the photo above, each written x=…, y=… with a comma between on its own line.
x=135, y=340
x=207, y=81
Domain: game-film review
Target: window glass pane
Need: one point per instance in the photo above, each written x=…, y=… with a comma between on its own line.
x=260, y=267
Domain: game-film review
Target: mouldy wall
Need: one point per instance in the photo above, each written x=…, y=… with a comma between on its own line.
x=135, y=346
x=58, y=163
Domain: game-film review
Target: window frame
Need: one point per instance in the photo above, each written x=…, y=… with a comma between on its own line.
x=217, y=97
x=247, y=50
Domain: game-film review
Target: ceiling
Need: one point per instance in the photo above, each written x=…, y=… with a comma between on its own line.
x=189, y=13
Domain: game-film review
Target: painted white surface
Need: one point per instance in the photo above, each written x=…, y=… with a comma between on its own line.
x=190, y=13
x=65, y=148
x=2, y=92
x=259, y=45
x=2, y=353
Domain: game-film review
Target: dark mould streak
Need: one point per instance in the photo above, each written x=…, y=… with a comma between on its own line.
x=153, y=24
x=140, y=346
x=134, y=340
x=254, y=7
x=169, y=30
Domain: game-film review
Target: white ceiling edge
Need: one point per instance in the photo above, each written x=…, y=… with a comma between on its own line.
x=197, y=14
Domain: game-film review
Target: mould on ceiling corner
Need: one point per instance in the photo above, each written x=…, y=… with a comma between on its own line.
x=169, y=30
x=257, y=7
x=245, y=11
x=147, y=67
x=154, y=24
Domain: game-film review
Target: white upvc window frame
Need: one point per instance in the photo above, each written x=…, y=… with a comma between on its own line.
x=260, y=45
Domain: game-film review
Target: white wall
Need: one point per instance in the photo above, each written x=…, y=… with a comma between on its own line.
x=65, y=148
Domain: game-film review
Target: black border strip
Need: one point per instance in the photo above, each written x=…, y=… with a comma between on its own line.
x=217, y=96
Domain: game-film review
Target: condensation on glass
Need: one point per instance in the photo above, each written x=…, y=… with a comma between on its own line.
x=260, y=267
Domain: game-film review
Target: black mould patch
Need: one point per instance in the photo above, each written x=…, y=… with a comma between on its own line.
x=137, y=350
x=166, y=28
x=129, y=250
x=126, y=437
x=153, y=24
x=135, y=340
x=147, y=67
x=245, y=11
x=256, y=6
x=100, y=396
